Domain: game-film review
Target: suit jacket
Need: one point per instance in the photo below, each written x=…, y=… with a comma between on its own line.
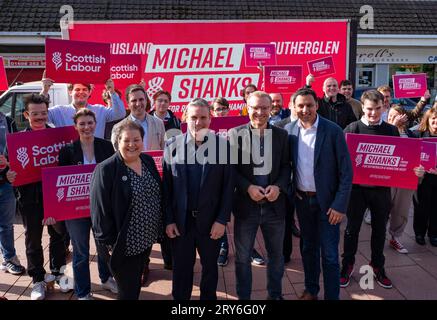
x=110, y=200
x=216, y=188
x=72, y=153
x=332, y=164
x=279, y=175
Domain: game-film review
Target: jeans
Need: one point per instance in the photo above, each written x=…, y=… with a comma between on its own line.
x=7, y=215
x=79, y=231
x=272, y=228
x=318, y=235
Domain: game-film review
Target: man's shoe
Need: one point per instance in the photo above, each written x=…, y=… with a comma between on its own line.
x=420, y=240
x=145, y=275
x=345, y=275
x=433, y=241
x=87, y=297
x=13, y=266
x=279, y=298
x=64, y=283
x=397, y=245
x=110, y=285
x=222, y=258
x=308, y=296
x=257, y=258
x=367, y=217
x=295, y=231
x=381, y=278
x=39, y=290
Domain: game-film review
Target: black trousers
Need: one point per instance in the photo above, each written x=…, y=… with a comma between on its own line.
x=378, y=200
x=127, y=273
x=288, y=234
x=425, y=211
x=165, y=251
x=32, y=221
x=184, y=257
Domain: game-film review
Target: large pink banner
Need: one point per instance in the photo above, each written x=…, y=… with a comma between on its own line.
x=30, y=151
x=384, y=161
x=192, y=59
x=221, y=125
x=409, y=85
x=283, y=79
x=66, y=191
x=77, y=61
x=256, y=54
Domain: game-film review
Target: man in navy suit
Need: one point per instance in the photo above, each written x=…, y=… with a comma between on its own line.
x=198, y=188
x=322, y=172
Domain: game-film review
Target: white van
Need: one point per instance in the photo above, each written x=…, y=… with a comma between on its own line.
x=11, y=101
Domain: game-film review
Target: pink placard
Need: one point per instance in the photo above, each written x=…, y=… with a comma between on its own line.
x=221, y=125
x=384, y=161
x=321, y=67
x=66, y=191
x=409, y=85
x=30, y=151
x=283, y=79
x=3, y=79
x=157, y=157
x=256, y=54
x=77, y=61
x=428, y=156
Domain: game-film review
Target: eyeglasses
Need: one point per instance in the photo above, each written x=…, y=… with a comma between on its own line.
x=221, y=109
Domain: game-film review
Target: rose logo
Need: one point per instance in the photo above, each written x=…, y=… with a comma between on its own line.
x=60, y=194
x=22, y=156
x=155, y=85
x=57, y=59
x=359, y=160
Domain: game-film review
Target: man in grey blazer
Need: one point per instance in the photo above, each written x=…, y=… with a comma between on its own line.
x=322, y=174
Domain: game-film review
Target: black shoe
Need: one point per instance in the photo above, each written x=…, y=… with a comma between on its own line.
x=295, y=231
x=276, y=298
x=433, y=241
x=420, y=240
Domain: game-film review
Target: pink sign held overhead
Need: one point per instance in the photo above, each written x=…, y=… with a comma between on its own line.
x=428, y=156
x=125, y=69
x=384, y=161
x=283, y=79
x=77, y=61
x=3, y=79
x=66, y=191
x=409, y=85
x=321, y=67
x=30, y=151
x=157, y=156
x=256, y=54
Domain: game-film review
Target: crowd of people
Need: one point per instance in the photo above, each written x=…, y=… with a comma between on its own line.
x=289, y=162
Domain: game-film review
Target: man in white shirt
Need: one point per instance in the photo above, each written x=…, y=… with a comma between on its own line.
x=322, y=172
x=62, y=115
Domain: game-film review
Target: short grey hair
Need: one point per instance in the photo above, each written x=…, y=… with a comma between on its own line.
x=198, y=102
x=260, y=95
x=124, y=125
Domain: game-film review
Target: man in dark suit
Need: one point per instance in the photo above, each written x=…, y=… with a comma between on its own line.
x=322, y=174
x=198, y=186
x=263, y=175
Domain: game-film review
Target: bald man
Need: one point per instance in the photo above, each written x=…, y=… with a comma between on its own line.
x=333, y=105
